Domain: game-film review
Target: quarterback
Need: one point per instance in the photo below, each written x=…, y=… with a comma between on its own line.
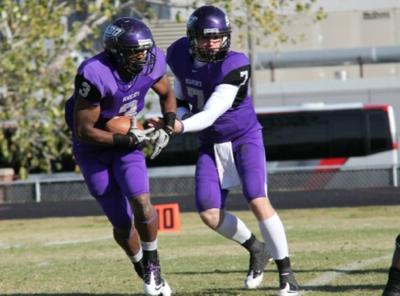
x=212, y=90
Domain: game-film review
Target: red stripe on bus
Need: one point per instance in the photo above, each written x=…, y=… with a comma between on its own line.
x=323, y=175
x=395, y=145
x=376, y=107
x=333, y=161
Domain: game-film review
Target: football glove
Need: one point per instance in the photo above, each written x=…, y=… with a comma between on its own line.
x=139, y=136
x=159, y=139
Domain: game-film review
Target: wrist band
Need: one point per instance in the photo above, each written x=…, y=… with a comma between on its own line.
x=123, y=141
x=169, y=119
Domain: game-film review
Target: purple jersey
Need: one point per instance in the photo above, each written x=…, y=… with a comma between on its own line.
x=98, y=81
x=113, y=174
x=238, y=125
x=199, y=83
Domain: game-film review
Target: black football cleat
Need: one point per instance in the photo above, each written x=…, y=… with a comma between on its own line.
x=288, y=285
x=258, y=261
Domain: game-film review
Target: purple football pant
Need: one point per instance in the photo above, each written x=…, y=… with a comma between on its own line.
x=249, y=155
x=112, y=177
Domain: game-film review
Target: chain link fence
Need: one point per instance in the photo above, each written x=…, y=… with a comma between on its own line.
x=309, y=180
x=180, y=182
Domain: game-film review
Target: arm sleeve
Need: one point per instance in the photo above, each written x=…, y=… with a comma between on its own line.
x=219, y=102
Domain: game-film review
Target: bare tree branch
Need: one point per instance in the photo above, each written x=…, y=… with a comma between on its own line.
x=94, y=20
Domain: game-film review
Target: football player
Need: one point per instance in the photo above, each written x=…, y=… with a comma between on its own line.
x=392, y=287
x=109, y=84
x=212, y=88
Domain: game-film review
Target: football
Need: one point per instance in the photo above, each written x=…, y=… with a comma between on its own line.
x=121, y=124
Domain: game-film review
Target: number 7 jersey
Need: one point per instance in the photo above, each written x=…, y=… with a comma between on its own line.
x=199, y=83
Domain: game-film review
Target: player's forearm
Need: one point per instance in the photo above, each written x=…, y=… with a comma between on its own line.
x=166, y=95
x=219, y=102
x=168, y=103
x=94, y=135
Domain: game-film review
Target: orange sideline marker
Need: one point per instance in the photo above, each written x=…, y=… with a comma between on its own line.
x=168, y=217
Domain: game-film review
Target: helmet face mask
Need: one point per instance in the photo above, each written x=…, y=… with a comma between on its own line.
x=130, y=43
x=208, y=22
x=211, y=54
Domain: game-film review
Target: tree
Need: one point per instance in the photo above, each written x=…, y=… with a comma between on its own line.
x=40, y=44
x=269, y=17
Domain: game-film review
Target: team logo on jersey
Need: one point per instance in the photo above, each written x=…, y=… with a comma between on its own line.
x=193, y=82
x=131, y=96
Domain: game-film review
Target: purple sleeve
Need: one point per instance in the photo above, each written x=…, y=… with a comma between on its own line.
x=234, y=61
x=169, y=56
x=160, y=67
x=177, y=49
x=91, y=82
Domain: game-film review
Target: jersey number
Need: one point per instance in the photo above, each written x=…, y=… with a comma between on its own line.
x=198, y=95
x=129, y=108
x=245, y=75
x=84, y=89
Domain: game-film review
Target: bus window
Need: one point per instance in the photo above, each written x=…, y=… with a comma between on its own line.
x=348, y=133
x=379, y=131
x=289, y=136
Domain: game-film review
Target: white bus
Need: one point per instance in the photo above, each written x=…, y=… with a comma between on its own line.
x=312, y=135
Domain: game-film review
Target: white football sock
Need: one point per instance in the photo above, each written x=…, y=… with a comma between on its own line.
x=274, y=235
x=137, y=257
x=149, y=246
x=234, y=228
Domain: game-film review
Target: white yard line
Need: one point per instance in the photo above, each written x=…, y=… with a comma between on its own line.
x=78, y=241
x=6, y=246
x=56, y=243
x=330, y=276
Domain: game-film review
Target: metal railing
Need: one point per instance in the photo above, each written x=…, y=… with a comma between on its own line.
x=179, y=181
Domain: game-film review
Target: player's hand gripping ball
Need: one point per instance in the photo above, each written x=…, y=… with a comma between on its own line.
x=127, y=125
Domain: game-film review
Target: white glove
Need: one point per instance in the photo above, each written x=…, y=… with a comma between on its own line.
x=139, y=135
x=159, y=138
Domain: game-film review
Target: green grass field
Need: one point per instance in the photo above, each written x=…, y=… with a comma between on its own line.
x=340, y=251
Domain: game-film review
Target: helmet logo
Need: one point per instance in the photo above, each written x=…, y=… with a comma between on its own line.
x=113, y=31
x=226, y=20
x=192, y=20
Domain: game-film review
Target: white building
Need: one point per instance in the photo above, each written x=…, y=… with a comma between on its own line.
x=353, y=25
